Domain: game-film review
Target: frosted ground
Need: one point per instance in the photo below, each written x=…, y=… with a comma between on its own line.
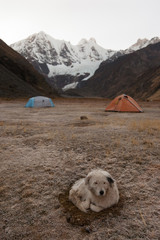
x=43, y=152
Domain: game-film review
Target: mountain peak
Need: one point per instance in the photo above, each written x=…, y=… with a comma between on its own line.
x=54, y=57
x=141, y=43
x=83, y=41
x=41, y=33
x=92, y=40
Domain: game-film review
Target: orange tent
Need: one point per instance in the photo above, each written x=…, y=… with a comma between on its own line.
x=123, y=103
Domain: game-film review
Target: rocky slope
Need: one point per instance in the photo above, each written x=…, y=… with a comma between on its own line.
x=18, y=77
x=136, y=74
x=90, y=70
x=56, y=58
x=142, y=43
x=65, y=65
x=147, y=85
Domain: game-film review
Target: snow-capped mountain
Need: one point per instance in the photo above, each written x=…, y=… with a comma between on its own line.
x=64, y=64
x=141, y=43
x=58, y=57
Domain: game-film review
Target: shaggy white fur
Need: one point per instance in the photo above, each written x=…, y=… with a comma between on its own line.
x=97, y=191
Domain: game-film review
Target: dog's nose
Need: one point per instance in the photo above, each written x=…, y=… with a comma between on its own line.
x=101, y=192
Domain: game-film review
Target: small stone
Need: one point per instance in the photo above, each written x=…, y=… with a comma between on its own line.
x=88, y=229
x=83, y=118
x=68, y=218
x=110, y=214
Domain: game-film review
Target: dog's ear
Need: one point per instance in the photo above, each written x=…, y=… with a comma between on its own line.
x=110, y=180
x=87, y=179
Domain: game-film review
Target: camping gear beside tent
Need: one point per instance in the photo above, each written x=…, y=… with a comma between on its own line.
x=123, y=103
x=39, y=101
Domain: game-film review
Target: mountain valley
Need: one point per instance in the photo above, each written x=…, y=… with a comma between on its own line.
x=77, y=70
x=83, y=70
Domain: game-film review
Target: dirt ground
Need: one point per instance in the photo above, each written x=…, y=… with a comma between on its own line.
x=44, y=151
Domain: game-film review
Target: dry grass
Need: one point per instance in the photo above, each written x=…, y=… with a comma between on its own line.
x=43, y=152
x=148, y=125
x=134, y=141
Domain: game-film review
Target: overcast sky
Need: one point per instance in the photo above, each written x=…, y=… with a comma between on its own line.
x=115, y=24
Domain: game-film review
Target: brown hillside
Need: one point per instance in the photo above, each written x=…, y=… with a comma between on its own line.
x=135, y=74
x=149, y=80
x=18, y=77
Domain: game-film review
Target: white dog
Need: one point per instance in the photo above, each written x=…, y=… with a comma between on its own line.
x=96, y=192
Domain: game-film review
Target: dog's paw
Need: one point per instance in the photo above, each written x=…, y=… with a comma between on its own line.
x=83, y=209
x=84, y=206
x=95, y=208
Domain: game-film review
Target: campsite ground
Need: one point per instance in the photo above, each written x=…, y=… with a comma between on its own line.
x=43, y=152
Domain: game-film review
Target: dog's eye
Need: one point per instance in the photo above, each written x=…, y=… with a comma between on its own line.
x=104, y=182
x=95, y=183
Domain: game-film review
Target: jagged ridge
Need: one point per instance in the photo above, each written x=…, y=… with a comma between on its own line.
x=65, y=65
x=58, y=57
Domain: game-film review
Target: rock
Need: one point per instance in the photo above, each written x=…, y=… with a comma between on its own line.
x=83, y=118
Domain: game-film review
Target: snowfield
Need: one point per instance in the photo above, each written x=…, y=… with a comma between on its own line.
x=60, y=57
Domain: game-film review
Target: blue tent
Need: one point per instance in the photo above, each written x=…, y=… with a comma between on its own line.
x=39, y=101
